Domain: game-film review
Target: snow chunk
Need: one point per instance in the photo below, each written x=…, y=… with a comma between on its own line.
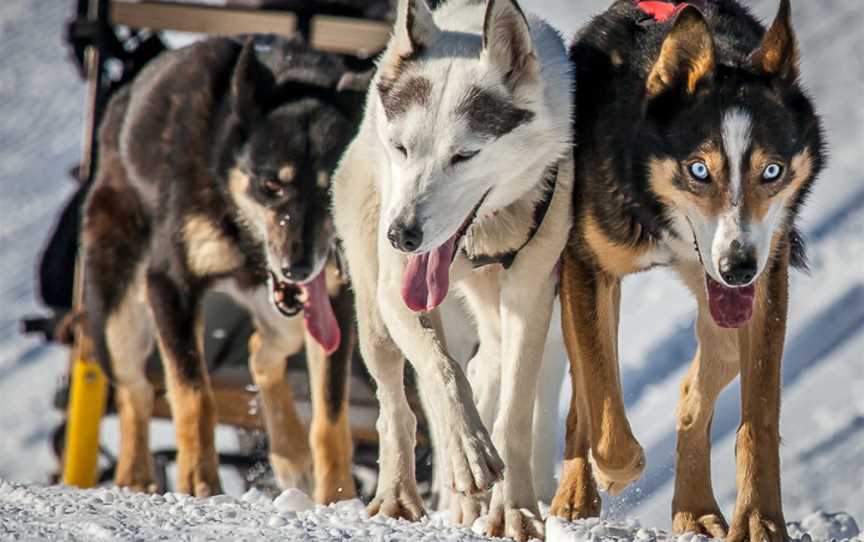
x=825, y=526
x=293, y=500
x=256, y=496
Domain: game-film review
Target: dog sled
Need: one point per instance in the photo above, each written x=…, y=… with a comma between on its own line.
x=110, y=41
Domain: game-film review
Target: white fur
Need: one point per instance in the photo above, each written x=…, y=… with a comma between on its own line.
x=512, y=307
x=737, y=128
x=442, y=196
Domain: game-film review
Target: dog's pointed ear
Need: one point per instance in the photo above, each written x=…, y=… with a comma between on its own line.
x=686, y=56
x=248, y=83
x=777, y=55
x=351, y=90
x=415, y=28
x=507, y=43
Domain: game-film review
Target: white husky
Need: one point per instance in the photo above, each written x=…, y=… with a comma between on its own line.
x=461, y=174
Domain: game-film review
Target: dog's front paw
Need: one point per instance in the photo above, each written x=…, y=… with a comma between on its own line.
x=465, y=509
x=753, y=524
x=577, y=496
x=618, y=468
x=476, y=463
x=520, y=524
x=710, y=524
x=398, y=501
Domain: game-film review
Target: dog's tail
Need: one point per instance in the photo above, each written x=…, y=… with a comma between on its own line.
x=114, y=233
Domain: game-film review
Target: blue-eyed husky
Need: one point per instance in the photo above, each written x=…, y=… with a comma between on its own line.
x=695, y=147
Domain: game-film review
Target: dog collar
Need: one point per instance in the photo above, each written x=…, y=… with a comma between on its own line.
x=663, y=11
x=540, y=210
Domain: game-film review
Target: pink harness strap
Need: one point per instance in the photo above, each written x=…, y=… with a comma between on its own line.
x=663, y=11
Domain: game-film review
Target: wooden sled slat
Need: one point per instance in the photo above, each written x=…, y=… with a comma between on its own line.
x=346, y=35
x=201, y=19
x=329, y=33
x=235, y=397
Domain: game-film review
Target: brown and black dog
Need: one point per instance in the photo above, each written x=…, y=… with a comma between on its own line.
x=695, y=148
x=214, y=173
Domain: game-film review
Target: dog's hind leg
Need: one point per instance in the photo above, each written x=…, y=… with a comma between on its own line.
x=129, y=337
x=577, y=496
x=177, y=315
x=590, y=300
x=332, y=445
x=114, y=237
x=694, y=508
x=482, y=291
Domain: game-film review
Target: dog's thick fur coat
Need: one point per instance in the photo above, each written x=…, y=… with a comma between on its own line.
x=695, y=148
x=466, y=135
x=213, y=172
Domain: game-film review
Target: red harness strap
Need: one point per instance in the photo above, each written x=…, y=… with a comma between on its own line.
x=663, y=11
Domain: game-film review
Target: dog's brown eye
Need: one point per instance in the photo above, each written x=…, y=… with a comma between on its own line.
x=402, y=150
x=272, y=188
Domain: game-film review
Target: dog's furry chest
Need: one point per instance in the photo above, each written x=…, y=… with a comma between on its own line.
x=498, y=235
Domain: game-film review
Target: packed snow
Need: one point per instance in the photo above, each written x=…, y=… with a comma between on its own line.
x=30, y=512
x=41, y=107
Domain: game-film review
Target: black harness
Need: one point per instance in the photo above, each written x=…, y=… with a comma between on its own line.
x=506, y=259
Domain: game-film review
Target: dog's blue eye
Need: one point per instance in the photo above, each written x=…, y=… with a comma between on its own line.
x=699, y=171
x=462, y=156
x=772, y=172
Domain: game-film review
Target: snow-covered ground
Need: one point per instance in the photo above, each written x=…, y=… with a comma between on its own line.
x=41, y=106
x=30, y=512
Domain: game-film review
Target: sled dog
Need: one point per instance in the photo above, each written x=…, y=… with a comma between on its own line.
x=214, y=172
x=460, y=175
x=695, y=148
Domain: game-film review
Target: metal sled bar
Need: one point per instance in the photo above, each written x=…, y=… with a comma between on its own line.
x=329, y=33
x=88, y=386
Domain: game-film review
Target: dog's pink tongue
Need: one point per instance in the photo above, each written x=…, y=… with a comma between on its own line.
x=427, y=277
x=318, y=314
x=730, y=307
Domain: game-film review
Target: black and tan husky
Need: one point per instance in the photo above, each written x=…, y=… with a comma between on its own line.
x=214, y=172
x=695, y=147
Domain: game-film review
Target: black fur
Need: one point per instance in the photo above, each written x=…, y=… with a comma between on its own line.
x=618, y=130
x=168, y=143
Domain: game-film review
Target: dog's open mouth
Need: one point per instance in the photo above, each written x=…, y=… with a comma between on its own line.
x=427, y=276
x=285, y=296
x=312, y=298
x=730, y=307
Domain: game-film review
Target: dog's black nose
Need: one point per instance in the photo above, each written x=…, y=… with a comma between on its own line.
x=405, y=237
x=739, y=266
x=299, y=271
